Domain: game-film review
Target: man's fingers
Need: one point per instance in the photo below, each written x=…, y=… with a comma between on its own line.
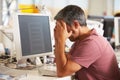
x=70, y=33
x=63, y=24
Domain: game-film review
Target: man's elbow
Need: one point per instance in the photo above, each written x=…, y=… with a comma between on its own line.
x=60, y=74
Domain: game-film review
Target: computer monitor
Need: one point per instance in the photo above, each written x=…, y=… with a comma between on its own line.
x=32, y=35
x=117, y=31
x=108, y=27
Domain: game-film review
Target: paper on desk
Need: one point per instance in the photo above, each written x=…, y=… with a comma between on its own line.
x=5, y=77
x=2, y=50
x=17, y=74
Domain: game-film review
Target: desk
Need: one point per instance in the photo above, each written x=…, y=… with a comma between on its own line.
x=32, y=75
x=36, y=75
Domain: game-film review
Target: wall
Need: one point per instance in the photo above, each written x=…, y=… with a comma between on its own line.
x=92, y=7
x=0, y=12
x=110, y=7
x=0, y=17
x=116, y=6
x=54, y=6
x=95, y=7
x=101, y=7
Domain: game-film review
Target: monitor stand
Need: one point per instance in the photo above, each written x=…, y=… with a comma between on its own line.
x=38, y=61
x=22, y=63
x=29, y=63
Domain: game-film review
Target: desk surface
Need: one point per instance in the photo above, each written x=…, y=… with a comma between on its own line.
x=34, y=75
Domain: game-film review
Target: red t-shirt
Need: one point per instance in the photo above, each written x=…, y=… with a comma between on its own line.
x=97, y=57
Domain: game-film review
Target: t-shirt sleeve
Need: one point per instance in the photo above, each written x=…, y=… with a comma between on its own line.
x=86, y=53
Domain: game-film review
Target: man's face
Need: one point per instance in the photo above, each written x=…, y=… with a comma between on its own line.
x=75, y=33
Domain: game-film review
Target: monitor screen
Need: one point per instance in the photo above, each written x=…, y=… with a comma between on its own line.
x=32, y=35
x=117, y=31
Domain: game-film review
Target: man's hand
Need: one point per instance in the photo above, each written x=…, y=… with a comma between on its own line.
x=60, y=31
x=65, y=66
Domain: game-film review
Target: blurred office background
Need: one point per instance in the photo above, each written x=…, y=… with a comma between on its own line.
x=91, y=7
x=102, y=11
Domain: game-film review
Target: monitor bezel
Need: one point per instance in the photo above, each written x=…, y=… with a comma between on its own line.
x=116, y=31
x=17, y=40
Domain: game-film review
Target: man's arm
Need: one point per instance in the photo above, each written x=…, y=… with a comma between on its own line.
x=65, y=66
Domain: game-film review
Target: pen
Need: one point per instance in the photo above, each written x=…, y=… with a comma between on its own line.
x=49, y=75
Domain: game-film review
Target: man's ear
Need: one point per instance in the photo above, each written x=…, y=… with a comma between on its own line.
x=76, y=24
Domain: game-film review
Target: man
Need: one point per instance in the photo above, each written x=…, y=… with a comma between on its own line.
x=91, y=56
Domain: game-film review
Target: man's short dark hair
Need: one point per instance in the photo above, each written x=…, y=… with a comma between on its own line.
x=71, y=13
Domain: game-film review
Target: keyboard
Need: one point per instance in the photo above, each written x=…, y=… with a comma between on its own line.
x=47, y=70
